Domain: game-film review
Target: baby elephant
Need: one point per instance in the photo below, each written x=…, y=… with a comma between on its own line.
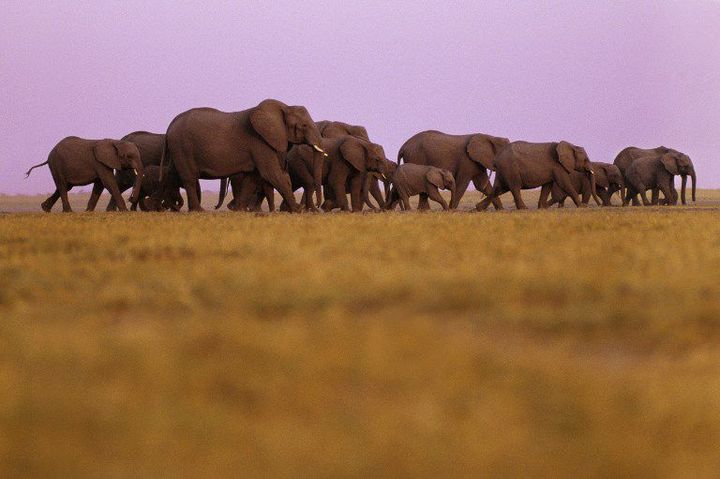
x=410, y=179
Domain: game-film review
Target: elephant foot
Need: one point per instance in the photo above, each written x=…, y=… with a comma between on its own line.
x=45, y=207
x=69, y=210
x=582, y=205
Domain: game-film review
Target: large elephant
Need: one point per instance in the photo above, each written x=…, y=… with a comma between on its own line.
x=467, y=157
x=626, y=157
x=336, y=129
x=655, y=172
x=608, y=181
x=211, y=144
x=77, y=162
x=522, y=165
x=410, y=180
x=150, y=146
x=349, y=160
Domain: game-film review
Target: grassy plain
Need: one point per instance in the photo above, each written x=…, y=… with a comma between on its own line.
x=562, y=343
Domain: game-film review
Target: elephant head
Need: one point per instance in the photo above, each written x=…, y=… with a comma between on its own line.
x=609, y=177
x=336, y=129
x=482, y=149
x=279, y=125
x=677, y=163
x=121, y=155
x=573, y=157
x=441, y=178
x=364, y=156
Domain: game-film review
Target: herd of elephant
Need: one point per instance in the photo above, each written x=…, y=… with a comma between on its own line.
x=274, y=146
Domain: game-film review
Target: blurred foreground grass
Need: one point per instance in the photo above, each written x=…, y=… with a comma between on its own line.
x=575, y=343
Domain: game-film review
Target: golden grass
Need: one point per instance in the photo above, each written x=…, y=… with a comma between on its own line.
x=564, y=343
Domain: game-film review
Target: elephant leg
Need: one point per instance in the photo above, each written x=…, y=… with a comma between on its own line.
x=95, y=195
x=655, y=196
x=643, y=194
x=482, y=184
x=405, y=202
x=667, y=191
x=338, y=181
x=50, y=201
x=435, y=195
x=519, y=203
x=108, y=180
x=498, y=189
x=544, y=192
x=565, y=183
x=376, y=193
x=193, y=194
x=356, y=193
x=461, y=186
x=269, y=193
x=62, y=188
x=423, y=203
x=270, y=171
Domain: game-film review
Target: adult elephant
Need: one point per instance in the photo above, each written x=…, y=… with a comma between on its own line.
x=467, y=157
x=608, y=181
x=77, y=162
x=371, y=185
x=655, y=172
x=522, y=165
x=626, y=157
x=349, y=160
x=150, y=146
x=211, y=144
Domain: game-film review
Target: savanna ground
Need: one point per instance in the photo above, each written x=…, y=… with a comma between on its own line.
x=563, y=343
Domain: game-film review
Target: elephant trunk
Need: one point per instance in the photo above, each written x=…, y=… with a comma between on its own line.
x=318, y=164
x=139, y=174
x=593, y=189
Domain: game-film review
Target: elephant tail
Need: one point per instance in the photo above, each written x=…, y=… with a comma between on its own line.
x=27, y=173
x=223, y=192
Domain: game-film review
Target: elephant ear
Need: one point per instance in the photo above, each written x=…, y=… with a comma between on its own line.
x=354, y=153
x=435, y=177
x=602, y=175
x=566, y=156
x=482, y=149
x=106, y=152
x=270, y=126
x=670, y=164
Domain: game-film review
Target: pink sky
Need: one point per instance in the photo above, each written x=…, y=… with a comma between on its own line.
x=602, y=74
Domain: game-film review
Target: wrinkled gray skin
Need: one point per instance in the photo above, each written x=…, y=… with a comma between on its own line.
x=626, y=157
x=467, y=157
x=608, y=181
x=522, y=165
x=349, y=159
x=150, y=146
x=77, y=162
x=211, y=144
x=410, y=180
x=655, y=172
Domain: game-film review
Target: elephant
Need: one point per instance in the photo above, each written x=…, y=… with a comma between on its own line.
x=336, y=129
x=77, y=162
x=150, y=146
x=349, y=159
x=608, y=180
x=148, y=188
x=211, y=144
x=523, y=165
x=467, y=157
x=626, y=157
x=411, y=179
x=655, y=172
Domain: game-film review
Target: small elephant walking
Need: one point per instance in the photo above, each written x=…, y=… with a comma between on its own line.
x=608, y=181
x=410, y=179
x=77, y=162
x=653, y=173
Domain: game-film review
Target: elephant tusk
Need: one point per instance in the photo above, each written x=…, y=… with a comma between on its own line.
x=318, y=149
x=135, y=171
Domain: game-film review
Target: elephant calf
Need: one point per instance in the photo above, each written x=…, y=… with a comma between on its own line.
x=608, y=180
x=77, y=162
x=411, y=179
x=655, y=172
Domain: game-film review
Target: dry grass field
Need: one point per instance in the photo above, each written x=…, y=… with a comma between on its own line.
x=560, y=343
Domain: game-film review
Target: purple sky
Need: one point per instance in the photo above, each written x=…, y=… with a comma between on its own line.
x=601, y=74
